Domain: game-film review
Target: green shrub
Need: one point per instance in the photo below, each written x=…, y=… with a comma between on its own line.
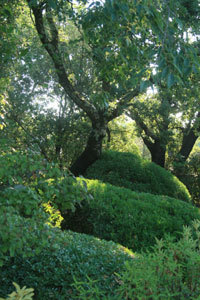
x=52, y=272
x=170, y=271
x=31, y=190
x=129, y=218
x=131, y=171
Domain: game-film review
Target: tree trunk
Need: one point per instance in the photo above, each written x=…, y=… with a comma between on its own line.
x=188, y=142
x=158, y=153
x=187, y=145
x=93, y=148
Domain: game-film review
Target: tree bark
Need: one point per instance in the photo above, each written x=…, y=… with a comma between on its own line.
x=93, y=148
x=187, y=145
x=154, y=143
x=158, y=153
x=189, y=139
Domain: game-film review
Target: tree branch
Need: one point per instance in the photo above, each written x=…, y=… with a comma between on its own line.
x=135, y=116
x=51, y=46
x=122, y=104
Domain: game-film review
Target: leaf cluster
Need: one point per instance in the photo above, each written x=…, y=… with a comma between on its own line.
x=27, y=182
x=20, y=294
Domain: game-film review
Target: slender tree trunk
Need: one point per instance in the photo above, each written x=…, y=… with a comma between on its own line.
x=93, y=148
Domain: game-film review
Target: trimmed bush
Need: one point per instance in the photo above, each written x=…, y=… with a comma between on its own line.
x=129, y=218
x=71, y=255
x=170, y=271
x=131, y=171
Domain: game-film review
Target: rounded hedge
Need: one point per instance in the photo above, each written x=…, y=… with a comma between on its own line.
x=133, y=172
x=69, y=258
x=132, y=219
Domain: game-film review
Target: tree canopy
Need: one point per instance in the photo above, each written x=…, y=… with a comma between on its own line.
x=101, y=56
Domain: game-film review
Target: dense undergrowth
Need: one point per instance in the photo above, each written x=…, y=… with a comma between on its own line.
x=133, y=172
x=170, y=271
x=83, y=268
x=67, y=265
x=31, y=189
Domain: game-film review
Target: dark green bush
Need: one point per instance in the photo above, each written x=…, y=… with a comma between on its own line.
x=170, y=271
x=70, y=255
x=129, y=218
x=131, y=171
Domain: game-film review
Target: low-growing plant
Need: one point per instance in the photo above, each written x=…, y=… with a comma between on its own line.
x=129, y=218
x=171, y=270
x=133, y=172
x=20, y=293
x=69, y=255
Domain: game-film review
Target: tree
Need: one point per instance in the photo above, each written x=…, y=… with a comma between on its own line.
x=168, y=122
x=120, y=50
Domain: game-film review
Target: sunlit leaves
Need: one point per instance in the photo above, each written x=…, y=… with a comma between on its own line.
x=26, y=183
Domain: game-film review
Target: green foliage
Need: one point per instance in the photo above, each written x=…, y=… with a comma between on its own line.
x=122, y=136
x=189, y=173
x=20, y=294
x=131, y=171
x=123, y=22
x=27, y=183
x=71, y=255
x=132, y=219
x=170, y=271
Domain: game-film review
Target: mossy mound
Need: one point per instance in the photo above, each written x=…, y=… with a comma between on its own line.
x=132, y=172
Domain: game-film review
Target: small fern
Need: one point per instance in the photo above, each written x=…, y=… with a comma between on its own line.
x=20, y=294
